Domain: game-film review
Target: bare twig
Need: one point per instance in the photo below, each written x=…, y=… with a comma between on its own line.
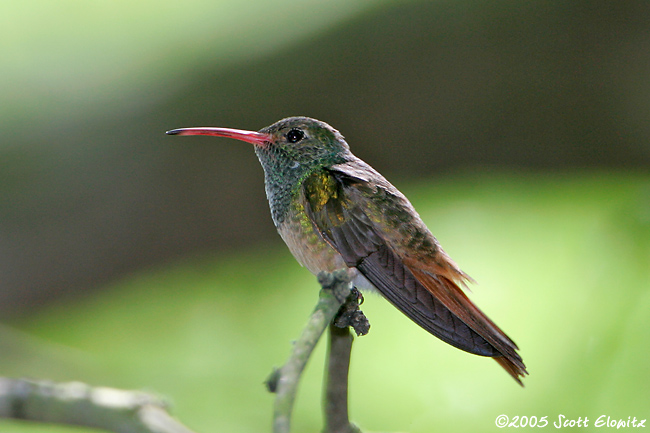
x=335, y=401
x=76, y=403
x=284, y=382
x=122, y=411
x=339, y=349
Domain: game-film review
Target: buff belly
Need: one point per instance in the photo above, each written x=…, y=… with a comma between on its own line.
x=312, y=251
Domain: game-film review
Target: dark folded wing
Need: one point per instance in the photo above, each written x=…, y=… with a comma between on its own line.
x=348, y=213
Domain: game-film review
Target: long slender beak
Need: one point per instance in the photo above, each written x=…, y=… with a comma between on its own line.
x=256, y=138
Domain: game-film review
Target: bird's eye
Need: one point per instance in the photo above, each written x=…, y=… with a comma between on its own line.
x=295, y=135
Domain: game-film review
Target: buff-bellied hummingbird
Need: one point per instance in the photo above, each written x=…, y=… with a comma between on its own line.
x=335, y=211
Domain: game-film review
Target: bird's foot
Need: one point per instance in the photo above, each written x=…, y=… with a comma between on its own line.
x=350, y=315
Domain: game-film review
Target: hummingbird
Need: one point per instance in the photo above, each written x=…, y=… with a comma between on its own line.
x=335, y=211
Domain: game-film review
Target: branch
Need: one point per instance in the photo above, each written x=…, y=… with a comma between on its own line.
x=122, y=411
x=109, y=409
x=284, y=381
x=335, y=401
x=339, y=349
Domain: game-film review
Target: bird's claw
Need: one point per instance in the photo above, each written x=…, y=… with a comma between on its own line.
x=350, y=315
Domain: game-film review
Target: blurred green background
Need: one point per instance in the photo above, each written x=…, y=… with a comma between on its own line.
x=519, y=130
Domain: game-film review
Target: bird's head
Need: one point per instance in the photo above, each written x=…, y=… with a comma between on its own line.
x=291, y=143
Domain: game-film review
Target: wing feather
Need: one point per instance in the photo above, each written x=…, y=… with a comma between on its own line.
x=375, y=229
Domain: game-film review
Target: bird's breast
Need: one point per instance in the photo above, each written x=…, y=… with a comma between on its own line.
x=304, y=241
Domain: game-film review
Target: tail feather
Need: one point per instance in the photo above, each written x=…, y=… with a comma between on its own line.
x=436, y=303
x=517, y=371
x=442, y=279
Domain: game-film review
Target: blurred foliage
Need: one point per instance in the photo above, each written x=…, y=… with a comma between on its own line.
x=72, y=59
x=563, y=265
x=92, y=189
x=88, y=188
x=92, y=192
